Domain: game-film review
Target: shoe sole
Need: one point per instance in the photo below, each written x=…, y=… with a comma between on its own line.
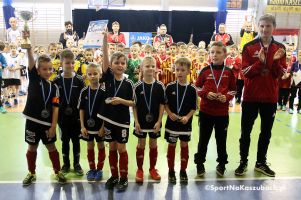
x=220, y=174
x=241, y=174
x=155, y=178
x=139, y=180
x=172, y=181
x=184, y=181
x=201, y=174
x=263, y=172
x=28, y=184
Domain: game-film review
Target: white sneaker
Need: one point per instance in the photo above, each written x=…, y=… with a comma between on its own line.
x=290, y=111
x=284, y=108
x=278, y=107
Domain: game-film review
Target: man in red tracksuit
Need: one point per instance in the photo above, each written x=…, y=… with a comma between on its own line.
x=263, y=62
x=217, y=88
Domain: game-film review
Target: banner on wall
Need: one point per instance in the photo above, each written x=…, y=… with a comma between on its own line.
x=237, y=4
x=287, y=6
x=94, y=37
x=144, y=38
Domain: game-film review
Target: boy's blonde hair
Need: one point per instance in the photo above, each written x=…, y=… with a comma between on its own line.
x=219, y=44
x=52, y=45
x=95, y=66
x=116, y=56
x=268, y=18
x=42, y=59
x=11, y=45
x=150, y=59
x=183, y=62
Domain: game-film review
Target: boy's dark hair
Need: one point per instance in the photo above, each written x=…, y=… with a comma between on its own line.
x=2, y=46
x=183, y=62
x=137, y=42
x=66, y=53
x=68, y=23
x=173, y=44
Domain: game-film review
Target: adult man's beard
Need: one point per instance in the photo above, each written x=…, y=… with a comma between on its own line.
x=69, y=31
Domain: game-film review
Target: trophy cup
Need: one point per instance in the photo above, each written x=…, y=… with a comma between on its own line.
x=26, y=16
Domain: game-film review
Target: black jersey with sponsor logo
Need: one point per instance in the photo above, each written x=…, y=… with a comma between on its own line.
x=35, y=102
x=157, y=98
x=189, y=103
x=118, y=115
x=77, y=86
x=83, y=104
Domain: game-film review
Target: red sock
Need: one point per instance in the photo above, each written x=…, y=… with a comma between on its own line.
x=113, y=160
x=31, y=161
x=139, y=158
x=153, y=154
x=91, y=159
x=184, y=157
x=101, y=158
x=123, y=164
x=171, y=157
x=55, y=159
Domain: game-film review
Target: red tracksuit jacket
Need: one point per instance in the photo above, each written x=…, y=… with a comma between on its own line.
x=206, y=84
x=261, y=86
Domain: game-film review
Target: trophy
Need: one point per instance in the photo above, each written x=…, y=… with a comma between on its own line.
x=26, y=16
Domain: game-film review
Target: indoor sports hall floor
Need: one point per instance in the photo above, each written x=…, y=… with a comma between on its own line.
x=284, y=155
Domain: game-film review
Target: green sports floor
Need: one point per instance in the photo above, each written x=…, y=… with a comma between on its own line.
x=284, y=154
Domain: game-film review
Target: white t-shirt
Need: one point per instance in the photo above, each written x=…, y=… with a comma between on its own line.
x=14, y=62
x=11, y=35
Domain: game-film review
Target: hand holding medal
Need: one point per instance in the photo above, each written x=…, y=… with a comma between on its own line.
x=45, y=113
x=179, y=118
x=173, y=117
x=279, y=54
x=116, y=101
x=261, y=55
x=68, y=110
x=91, y=121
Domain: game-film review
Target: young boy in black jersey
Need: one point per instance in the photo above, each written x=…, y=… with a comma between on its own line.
x=91, y=103
x=181, y=103
x=119, y=97
x=148, y=112
x=41, y=113
x=70, y=86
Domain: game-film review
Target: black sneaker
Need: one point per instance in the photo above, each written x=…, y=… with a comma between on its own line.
x=265, y=169
x=200, y=170
x=29, y=179
x=172, y=177
x=122, y=184
x=60, y=177
x=220, y=169
x=111, y=182
x=78, y=170
x=241, y=169
x=65, y=169
x=183, y=177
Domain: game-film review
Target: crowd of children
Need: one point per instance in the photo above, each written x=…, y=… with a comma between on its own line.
x=88, y=93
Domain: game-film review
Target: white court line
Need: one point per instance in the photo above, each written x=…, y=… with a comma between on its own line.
x=166, y=181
